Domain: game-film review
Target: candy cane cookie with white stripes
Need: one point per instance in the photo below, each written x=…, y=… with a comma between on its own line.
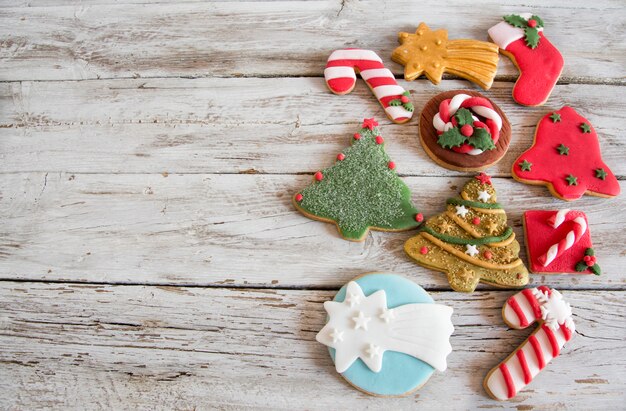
x=553, y=315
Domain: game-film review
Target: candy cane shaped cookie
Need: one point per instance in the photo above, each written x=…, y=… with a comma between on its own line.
x=554, y=316
x=340, y=75
x=571, y=238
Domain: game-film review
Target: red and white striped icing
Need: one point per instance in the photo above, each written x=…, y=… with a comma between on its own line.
x=531, y=305
x=571, y=238
x=444, y=119
x=340, y=76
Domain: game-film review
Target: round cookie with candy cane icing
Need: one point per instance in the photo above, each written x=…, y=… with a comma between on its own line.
x=463, y=130
x=386, y=335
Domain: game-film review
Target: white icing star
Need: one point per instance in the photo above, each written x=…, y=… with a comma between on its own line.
x=419, y=330
x=336, y=335
x=461, y=210
x=554, y=310
x=353, y=299
x=387, y=315
x=471, y=250
x=373, y=350
x=360, y=321
x=484, y=196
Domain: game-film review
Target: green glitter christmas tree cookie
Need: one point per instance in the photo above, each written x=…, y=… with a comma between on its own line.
x=361, y=191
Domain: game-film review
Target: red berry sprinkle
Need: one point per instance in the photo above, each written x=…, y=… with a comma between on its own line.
x=587, y=258
x=404, y=99
x=357, y=136
x=298, y=197
x=341, y=156
x=476, y=221
x=379, y=140
x=532, y=23
x=488, y=255
x=319, y=176
x=467, y=130
x=424, y=250
x=391, y=165
x=419, y=217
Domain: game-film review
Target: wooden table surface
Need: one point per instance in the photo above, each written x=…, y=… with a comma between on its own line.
x=150, y=256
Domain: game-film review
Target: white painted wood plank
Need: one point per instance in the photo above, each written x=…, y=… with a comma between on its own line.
x=236, y=230
x=115, y=347
x=287, y=125
x=278, y=38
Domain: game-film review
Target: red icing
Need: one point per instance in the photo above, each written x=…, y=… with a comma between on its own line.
x=319, y=176
x=379, y=140
x=391, y=165
x=522, y=362
x=341, y=156
x=424, y=250
x=538, y=351
x=419, y=217
x=523, y=322
x=539, y=68
x=532, y=301
x=298, y=197
x=404, y=99
x=583, y=159
x=508, y=380
x=532, y=23
x=488, y=255
x=552, y=338
x=357, y=136
x=467, y=130
x=369, y=123
x=540, y=236
x=476, y=221
x=483, y=178
x=567, y=333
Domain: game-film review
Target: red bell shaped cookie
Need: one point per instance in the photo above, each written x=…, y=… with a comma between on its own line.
x=565, y=157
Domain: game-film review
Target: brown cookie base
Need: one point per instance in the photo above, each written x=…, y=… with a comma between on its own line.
x=449, y=158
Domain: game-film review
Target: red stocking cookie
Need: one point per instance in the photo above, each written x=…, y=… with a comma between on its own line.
x=566, y=157
x=520, y=37
x=559, y=242
x=341, y=77
x=546, y=307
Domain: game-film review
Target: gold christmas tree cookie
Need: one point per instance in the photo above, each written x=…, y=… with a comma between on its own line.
x=431, y=53
x=471, y=241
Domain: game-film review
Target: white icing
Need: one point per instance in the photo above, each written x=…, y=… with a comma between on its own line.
x=386, y=91
x=558, y=218
x=461, y=210
x=354, y=54
x=419, y=330
x=398, y=112
x=336, y=335
x=504, y=34
x=373, y=73
x=488, y=113
x=352, y=299
x=471, y=250
x=331, y=73
x=554, y=310
x=484, y=196
x=571, y=237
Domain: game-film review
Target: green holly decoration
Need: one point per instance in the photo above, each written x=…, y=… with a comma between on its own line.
x=525, y=165
x=586, y=128
x=589, y=263
x=531, y=28
x=600, y=173
x=571, y=180
x=555, y=117
x=408, y=106
x=563, y=150
x=480, y=138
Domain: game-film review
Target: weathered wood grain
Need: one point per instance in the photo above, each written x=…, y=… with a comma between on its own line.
x=130, y=347
x=235, y=229
x=287, y=125
x=290, y=38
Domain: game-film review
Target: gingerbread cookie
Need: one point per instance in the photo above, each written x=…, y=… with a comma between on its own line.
x=565, y=157
x=471, y=241
x=361, y=191
x=520, y=38
x=556, y=326
x=386, y=335
x=559, y=242
x=431, y=53
x=463, y=130
x=340, y=75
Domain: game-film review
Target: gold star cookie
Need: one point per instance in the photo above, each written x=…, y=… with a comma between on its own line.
x=431, y=53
